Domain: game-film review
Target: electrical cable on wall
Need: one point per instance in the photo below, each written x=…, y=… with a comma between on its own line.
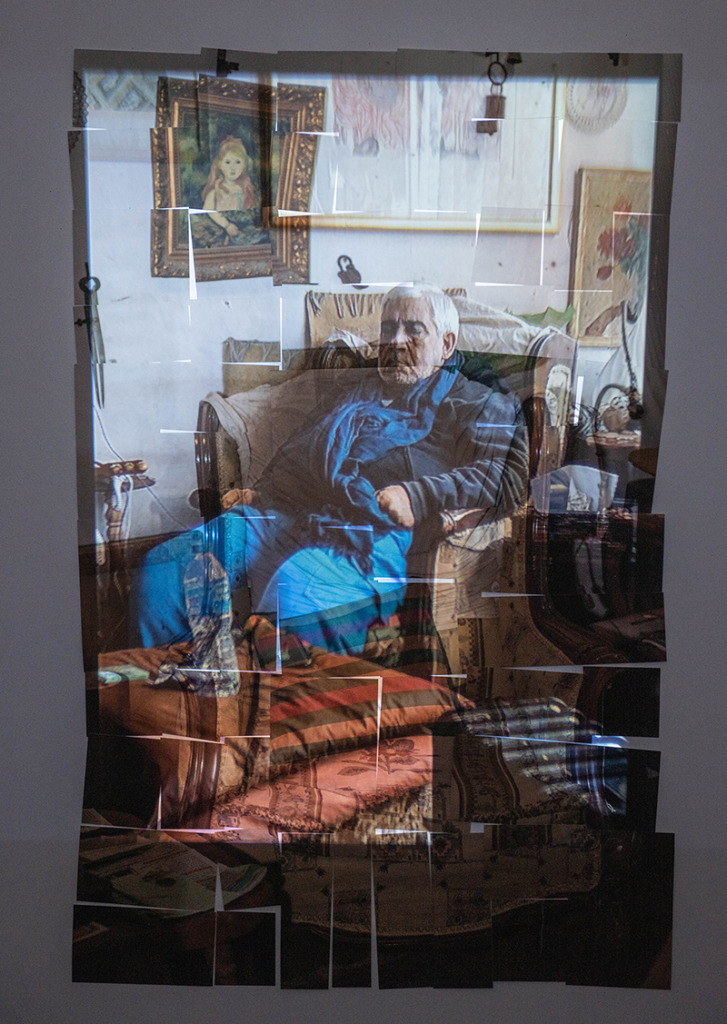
x=150, y=488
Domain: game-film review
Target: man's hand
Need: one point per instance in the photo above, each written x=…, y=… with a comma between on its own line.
x=238, y=496
x=394, y=502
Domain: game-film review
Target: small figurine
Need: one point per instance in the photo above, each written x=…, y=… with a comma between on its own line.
x=348, y=273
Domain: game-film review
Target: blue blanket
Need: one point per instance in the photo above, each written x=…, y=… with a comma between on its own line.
x=332, y=451
x=331, y=547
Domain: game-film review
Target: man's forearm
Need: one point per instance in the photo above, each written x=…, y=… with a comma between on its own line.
x=496, y=482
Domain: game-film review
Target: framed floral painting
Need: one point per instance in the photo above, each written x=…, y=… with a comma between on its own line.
x=610, y=263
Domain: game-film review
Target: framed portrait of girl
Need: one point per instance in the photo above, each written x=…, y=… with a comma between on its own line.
x=233, y=164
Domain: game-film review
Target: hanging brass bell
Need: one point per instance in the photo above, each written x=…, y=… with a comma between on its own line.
x=494, y=112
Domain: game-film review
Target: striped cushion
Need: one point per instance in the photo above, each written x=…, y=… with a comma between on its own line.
x=342, y=703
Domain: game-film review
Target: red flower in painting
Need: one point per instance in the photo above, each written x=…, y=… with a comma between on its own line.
x=624, y=247
x=617, y=244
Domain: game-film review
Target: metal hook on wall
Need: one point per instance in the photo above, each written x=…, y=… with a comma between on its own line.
x=90, y=285
x=496, y=72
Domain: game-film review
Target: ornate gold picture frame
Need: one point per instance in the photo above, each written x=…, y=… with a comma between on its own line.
x=245, y=227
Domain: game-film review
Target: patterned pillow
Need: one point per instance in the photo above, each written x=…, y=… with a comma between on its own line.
x=339, y=703
x=482, y=328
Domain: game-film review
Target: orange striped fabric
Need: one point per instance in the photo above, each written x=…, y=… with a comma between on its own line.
x=319, y=712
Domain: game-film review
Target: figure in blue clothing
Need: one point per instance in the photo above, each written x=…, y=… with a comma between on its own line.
x=330, y=523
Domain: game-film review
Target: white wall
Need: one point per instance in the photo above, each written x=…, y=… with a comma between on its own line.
x=43, y=712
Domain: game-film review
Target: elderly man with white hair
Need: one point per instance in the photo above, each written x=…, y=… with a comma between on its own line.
x=330, y=523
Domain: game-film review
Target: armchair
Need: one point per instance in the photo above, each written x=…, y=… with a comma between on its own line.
x=237, y=432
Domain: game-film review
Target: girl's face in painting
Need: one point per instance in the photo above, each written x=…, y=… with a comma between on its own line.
x=232, y=165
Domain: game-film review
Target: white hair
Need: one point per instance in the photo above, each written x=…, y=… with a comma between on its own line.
x=443, y=310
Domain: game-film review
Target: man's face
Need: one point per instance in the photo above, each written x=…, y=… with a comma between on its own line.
x=410, y=347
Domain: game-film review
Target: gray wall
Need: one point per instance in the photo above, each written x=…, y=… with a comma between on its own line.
x=42, y=678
